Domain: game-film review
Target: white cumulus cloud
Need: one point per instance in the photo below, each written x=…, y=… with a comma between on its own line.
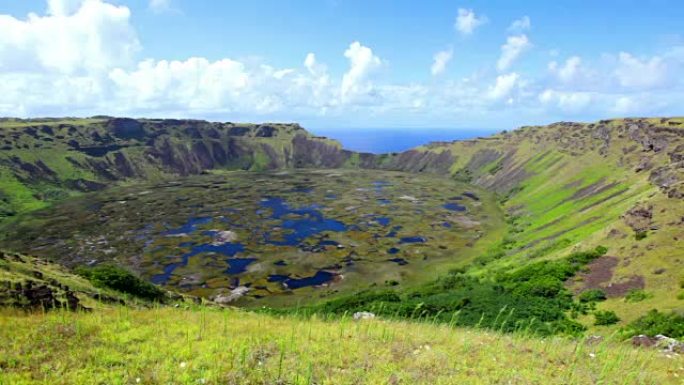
x=63, y=7
x=75, y=37
x=635, y=73
x=511, y=50
x=566, y=101
x=467, y=21
x=504, y=86
x=568, y=71
x=362, y=63
x=440, y=61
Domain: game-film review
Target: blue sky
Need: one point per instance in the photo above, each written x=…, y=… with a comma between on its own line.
x=344, y=63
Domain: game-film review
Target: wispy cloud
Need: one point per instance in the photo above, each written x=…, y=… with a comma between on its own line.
x=511, y=50
x=520, y=25
x=440, y=61
x=467, y=21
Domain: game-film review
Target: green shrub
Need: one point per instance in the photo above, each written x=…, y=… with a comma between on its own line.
x=654, y=323
x=532, y=298
x=592, y=295
x=637, y=295
x=116, y=278
x=605, y=317
x=680, y=295
x=640, y=235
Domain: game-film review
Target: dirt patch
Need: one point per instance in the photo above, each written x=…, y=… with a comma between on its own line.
x=574, y=184
x=603, y=200
x=600, y=274
x=619, y=289
x=593, y=189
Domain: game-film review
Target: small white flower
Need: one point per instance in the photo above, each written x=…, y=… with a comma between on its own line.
x=592, y=355
x=183, y=364
x=137, y=380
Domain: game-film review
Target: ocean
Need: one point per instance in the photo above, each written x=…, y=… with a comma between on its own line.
x=379, y=141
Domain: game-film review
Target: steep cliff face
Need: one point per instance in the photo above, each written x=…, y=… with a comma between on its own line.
x=43, y=160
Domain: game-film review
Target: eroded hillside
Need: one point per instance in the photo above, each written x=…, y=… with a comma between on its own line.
x=566, y=186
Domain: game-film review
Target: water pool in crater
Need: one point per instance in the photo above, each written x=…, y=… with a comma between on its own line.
x=297, y=232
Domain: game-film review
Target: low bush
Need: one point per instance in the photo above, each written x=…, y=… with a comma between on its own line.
x=592, y=295
x=116, y=278
x=605, y=317
x=531, y=298
x=637, y=295
x=655, y=322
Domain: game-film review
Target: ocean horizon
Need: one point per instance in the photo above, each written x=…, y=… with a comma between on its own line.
x=386, y=140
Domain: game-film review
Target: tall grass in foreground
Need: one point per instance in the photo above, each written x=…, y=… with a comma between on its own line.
x=213, y=346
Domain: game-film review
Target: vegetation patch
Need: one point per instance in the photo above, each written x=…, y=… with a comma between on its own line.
x=655, y=322
x=116, y=278
x=605, y=317
x=592, y=295
x=637, y=295
x=531, y=298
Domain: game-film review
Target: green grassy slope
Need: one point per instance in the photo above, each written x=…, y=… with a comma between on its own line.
x=211, y=346
x=191, y=344
x=571, y=186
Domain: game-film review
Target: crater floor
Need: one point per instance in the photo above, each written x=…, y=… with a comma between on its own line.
x=270, y=238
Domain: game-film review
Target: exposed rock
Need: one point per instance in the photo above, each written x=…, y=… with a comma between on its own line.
x=126, y=128
x=678, y=154
x=644, y=164
x=643, y=341
x=593, y=340
x=649, y=139
x=232, y=296
x=423, y=161
x=363, y=315
x=39, y=296
x=668, y=179
x=639, y=218
x=669, y=345
x=224, y=236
